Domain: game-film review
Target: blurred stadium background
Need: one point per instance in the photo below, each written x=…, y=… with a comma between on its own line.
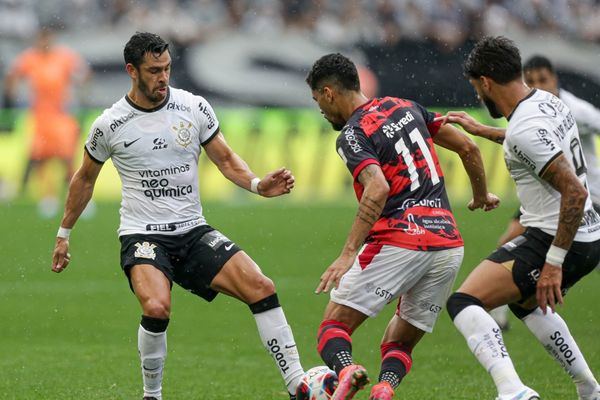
x=73, y=336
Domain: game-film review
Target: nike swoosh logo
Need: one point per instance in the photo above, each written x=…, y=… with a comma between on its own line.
x=229, y=246
x=130, y=143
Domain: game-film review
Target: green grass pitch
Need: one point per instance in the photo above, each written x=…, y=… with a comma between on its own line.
x=73, y=335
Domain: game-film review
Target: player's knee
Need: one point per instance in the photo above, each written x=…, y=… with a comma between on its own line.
x=459, y=301
x=263, y=286
x=157, y=309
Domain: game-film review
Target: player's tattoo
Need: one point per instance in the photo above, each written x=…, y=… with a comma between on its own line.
x=369, y=209
x=561, y=176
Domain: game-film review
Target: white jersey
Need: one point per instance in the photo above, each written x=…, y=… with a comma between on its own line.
x=156, y=155
x=588, y=123
x=540, y=129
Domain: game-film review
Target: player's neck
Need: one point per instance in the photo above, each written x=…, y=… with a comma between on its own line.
x=142, y=101
x=512, y=94
x=355, y=100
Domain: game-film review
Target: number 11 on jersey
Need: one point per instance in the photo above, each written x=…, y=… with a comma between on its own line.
x=401, y=149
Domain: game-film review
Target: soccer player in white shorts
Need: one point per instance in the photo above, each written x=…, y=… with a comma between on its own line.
x=404, y=242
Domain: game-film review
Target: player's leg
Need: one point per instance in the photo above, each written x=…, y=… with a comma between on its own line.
x=398, y=341
x=553, y=333
x=488, y=286
x=241, y=278
x=153, y=290
x=334, y=344
x=417, y=312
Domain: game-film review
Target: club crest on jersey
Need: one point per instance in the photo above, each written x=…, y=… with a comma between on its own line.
x=184, y=135
x=145, y=250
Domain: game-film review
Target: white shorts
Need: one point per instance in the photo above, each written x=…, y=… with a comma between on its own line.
x=421, y=279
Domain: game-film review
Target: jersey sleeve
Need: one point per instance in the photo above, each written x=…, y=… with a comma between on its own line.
x=533, y=144
x=355, y=148
x=96, y=144
x=432, y=126
x=207, y=121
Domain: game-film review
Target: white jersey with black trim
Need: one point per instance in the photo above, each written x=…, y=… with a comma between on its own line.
x=588, y=123
x=156, y=155
x=540, y=129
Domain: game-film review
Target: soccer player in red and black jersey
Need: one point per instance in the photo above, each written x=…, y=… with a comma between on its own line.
x=403, y=243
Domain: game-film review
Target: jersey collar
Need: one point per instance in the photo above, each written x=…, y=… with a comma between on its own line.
x=520, y=101
x=148, y=110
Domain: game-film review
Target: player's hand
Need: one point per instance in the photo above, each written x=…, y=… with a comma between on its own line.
x=548, y=287
x=333, y=274
x=276, y=183
x=487, y=203
x=61, y=256
x=463, y=119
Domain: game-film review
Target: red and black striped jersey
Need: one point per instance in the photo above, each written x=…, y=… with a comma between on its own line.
x=396, y=134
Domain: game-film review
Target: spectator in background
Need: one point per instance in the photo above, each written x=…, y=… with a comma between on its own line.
x=51, y=71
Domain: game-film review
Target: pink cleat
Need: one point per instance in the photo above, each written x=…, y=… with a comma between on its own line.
x=382, y=391
x=352, y=379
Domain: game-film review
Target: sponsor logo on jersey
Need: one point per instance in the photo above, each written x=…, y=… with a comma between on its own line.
x=547, y=109
x=156, y=173
x=178, y=107
x=412, y=202
x=120, y=121
x=544, y=137
x=127, y=144
x=412, y=228
x=157, y=188
x=145, y=250
x=94, y=142
x=390, y=129
x=159, y=143
x=351, y=139
x=523, y=157
x=184, y=135
x=208, y=113
x=173, y=226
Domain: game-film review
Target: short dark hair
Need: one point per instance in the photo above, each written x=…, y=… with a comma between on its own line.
x=333, y=68
x=494, y=57
x=140, y=44
x=538, y=62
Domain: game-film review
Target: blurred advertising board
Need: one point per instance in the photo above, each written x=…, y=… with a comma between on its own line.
x=267, y=138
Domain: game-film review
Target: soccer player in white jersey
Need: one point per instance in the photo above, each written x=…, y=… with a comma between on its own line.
x=539, y=73
x=154, y=136
x=561, y=243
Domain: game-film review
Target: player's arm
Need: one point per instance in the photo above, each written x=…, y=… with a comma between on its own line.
x=80, y=193
x=560, y=175
x=234, y=168
x=474, y=127
x=371, y=205
x=452, y=139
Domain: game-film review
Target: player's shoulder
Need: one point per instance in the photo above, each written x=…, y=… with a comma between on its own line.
x=536, y=106
x=115, y=116
x=182, y=96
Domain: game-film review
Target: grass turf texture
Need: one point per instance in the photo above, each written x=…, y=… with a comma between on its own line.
x=73, y=335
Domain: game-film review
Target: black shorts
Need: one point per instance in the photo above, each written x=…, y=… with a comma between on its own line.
x=191, y=259
x=525, y=256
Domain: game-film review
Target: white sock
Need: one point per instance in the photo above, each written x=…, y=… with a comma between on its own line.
x=278, y=339
x=553, y=333
x=484, y=338
x=153, y=351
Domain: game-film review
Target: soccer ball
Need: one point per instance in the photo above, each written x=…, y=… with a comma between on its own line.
x=318, y=383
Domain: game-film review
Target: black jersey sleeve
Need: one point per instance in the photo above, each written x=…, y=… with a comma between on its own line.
x=432, y=126
x=356, y=149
